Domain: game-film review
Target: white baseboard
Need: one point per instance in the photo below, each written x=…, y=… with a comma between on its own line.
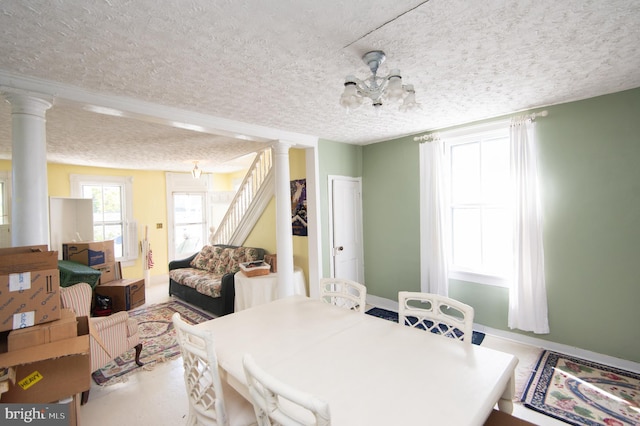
x=531, y=341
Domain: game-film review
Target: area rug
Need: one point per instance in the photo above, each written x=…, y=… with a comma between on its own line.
x=476, y=338
x=158, y=339
x=581, y=392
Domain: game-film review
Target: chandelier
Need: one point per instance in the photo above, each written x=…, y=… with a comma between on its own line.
x=196, y=172
x=378, y=88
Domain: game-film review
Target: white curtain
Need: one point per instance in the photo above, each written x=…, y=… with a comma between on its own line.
x=527, y=296
x=434, y=277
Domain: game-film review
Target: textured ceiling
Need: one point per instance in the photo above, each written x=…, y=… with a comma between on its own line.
x=281, y=64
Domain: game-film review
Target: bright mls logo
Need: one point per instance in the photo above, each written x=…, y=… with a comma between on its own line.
x=37, y=414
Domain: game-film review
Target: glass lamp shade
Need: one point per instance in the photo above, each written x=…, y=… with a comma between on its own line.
x=394, y=91
x=196, y=172
x=410, y=103
x=350, y=98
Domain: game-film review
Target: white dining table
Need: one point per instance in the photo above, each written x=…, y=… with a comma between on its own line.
x=370, y=370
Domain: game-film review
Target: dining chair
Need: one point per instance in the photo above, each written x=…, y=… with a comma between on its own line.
x=344, y=293
x=211, y=400
x=267, y=394
x=437, y=314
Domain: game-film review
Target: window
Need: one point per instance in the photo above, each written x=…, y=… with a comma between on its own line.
x=5, y=198
x=112, y=211
x=478, y=206
x=190, y=225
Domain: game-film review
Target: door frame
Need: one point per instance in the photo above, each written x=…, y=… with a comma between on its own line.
x=184, y=182
x=330, y=180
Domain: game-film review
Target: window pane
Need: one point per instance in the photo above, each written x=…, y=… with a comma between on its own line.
x=95, y=193
x=112, y=203
x=188, y=208
x=188, y=239
x=497, y=247
x=465, y=173
x=467, y=243
x=98, y=232
x=2, y=203
x=495, y=171
x=114, y=232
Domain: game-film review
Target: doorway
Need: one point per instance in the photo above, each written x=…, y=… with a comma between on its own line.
x=345, y=228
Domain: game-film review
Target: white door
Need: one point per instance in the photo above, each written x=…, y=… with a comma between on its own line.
x=345, y=221
x=189, y=223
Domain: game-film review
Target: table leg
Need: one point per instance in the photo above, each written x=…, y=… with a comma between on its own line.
x=240, y=387
x=505, y=403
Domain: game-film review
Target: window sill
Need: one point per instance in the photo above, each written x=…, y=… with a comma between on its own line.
x=474, y=277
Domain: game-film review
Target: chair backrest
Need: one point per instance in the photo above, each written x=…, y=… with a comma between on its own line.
x=344, y=293
x=438, y=314
x=201, y=376
x=267, y=394
x=78, y=298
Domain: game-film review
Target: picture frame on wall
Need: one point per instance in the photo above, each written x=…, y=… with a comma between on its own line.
x=299, y=207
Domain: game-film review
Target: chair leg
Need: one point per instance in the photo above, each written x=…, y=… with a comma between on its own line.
x=138, y=351
x=85, y=397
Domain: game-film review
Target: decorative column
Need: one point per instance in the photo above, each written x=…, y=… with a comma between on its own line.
x=284, y=235
x=29, y=206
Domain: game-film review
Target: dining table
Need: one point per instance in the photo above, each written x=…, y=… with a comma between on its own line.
x=371, y=371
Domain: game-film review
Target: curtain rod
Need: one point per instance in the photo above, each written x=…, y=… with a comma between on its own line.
x=429, y=137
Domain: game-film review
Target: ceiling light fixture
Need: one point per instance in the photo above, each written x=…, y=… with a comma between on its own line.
x=378, y=88
x=196, y=172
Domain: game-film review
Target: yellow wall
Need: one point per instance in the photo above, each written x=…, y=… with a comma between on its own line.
x=264, y=233
x=150, y=208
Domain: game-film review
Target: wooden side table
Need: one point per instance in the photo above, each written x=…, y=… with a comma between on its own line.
x=253, y=291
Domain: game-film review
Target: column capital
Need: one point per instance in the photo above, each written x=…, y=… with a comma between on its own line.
x=281, y=147
x=24, y=102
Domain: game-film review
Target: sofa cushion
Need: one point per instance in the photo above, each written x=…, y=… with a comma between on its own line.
x=215, y=260
x=202, y=281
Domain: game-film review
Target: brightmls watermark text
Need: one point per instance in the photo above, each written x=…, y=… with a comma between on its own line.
x=34, y=414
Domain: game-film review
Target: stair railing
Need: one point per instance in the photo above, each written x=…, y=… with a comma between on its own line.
x=233, y=226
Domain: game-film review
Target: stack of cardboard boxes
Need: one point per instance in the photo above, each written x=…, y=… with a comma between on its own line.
x=126, y=294
x=44, y=350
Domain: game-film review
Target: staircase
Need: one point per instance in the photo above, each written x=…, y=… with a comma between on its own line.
x=255, y=192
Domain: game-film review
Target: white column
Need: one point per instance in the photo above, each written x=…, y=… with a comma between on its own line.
x=284, y=238
x=29, y=206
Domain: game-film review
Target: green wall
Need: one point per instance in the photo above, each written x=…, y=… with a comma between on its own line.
x=590, y=178
x=336, y=159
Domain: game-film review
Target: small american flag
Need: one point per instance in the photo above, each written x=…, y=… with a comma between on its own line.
x=149, y=258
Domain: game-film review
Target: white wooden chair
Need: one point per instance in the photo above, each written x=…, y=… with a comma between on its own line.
x=211, y=401
x=268, y=394
x=437, y=314
x=344, y=293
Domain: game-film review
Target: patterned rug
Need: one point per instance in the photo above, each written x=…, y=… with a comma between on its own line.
x=157, y=336
x=476, y=338
x=582, y=392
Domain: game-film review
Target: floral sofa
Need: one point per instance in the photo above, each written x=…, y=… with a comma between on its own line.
x=206, y=278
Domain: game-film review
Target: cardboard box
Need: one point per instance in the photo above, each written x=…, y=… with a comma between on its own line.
x=109, y=272
x=52, y=371
x=90, y=253
x=23, y=259
x=64, y=328
x=29, y=287
x=126, y=294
